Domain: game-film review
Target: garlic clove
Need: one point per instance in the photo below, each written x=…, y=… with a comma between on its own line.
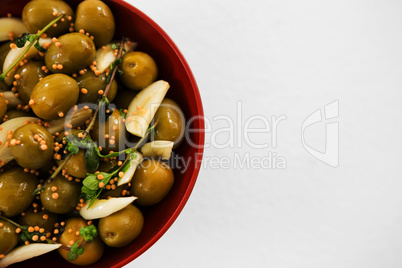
x=11, y=27
x=158, y=148
x=128, y=175
x=26, y=252
x=143, y=107
x=104, y=207
x=15, y=53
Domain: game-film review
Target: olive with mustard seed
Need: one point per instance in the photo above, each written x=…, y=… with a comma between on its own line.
x=60, y=196
x=54, y=96
x=8, y=237
x=96, y=18
x=90, y=84
x=28, y=76
x=124, y=97
x=110, y=135
x=14, y=113
x=151, y=182
x=34, y=216
x=139, y=70
x=93, y=251
x=75, y=166
x=31, y=146
x=71, y=53
x=16, y=188
x=122, y=227
x=36, y=15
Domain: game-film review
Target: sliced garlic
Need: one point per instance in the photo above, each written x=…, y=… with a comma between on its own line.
x=10, y=125
x=143, y=107
x=104, y=207
x=105, y=56
x=26, y=252
x=161, y=149
x=12, y=26
x=15, y=53
x=128, y=175
x=13, y=101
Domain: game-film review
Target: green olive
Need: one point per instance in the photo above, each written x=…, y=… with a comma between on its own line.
x=18, y=113
x=93, y=251
x=16, y=188
x=106, y=165
x=30, y=73
x=90, y=84
x=95, y=17
x=60, y=196
x=75, y=166
x=32, y=146
x=139, y=70
x=119, y=191
x=3, y=107
x=4, y=49
x=122, y=227
x=3, y=86
x=8, y=237
x=171, y=122
x=110, y=135
x=54, y=96
x=71, y=53
x=151, y=182
x=38, y=217
x=124, y=97
x=36, y=15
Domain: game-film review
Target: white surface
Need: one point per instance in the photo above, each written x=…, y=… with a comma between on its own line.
x=291, y=58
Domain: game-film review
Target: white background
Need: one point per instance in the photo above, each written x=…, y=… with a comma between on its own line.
x=291, y=58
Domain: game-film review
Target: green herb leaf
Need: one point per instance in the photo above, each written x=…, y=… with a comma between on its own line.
x=114, y=46
x=24, y=235
x=123, y=115
x=89, y=233
x=90, y=189
x=75, y=251
x=39, y=47
x=115, y=154
x=20, y=42
x=91, y=157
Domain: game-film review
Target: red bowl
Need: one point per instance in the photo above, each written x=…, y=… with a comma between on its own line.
x=173, y=68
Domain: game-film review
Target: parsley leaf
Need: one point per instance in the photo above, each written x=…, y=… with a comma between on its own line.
x=75, y=251
x=89, y=233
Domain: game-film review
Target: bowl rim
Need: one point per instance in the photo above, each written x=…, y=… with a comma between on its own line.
x=201, y=135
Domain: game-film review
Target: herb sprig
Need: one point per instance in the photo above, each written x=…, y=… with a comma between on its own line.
x=89, y=233
x=33, y=40
x=94, y=184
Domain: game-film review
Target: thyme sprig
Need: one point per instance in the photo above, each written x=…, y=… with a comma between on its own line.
x=94, y=184
x=28, y=233
x=33, y=40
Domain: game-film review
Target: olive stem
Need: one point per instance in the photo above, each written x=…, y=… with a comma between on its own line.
x=119, y=54
x=37, y=36
x=60, y=167
x=91, y=124
x=10, y=221
x=69, y=249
